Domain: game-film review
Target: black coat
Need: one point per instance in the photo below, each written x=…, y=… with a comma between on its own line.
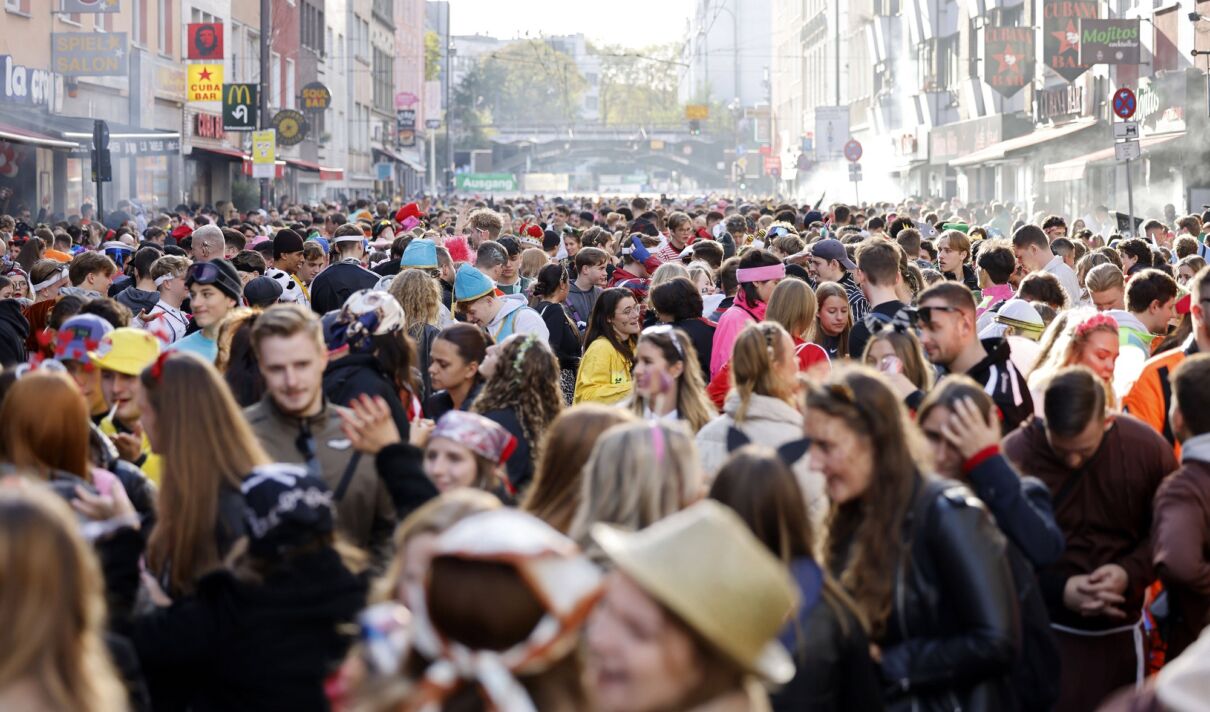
x=334, y=285
x=520, y=465
x=564, y=337
x=832, y=666
x=14, y=330
x=997, y=375
x=954, y=631
x=401, y=468
x=248, y=646
x=355, y=374
x=701, y=332
x=441, y=403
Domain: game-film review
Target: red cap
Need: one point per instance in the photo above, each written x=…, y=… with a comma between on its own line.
x=411, y=210
x=1183, y=304
x=182, y=230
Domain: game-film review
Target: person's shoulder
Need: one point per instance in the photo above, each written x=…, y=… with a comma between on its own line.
x=1139, y=432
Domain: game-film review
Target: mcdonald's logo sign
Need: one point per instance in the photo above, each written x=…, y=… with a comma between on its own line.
x=239, y=107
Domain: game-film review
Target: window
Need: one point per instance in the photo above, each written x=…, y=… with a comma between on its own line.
x=138, y=22
x=384, y=79
x=20, y=7
x=289, y=98
x=275, y=80
x=165, y=27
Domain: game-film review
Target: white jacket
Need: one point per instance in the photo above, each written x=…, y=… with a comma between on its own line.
x=769, y=421
x=527, y=320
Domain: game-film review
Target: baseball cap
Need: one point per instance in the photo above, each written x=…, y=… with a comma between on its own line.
x=126, y=350
x=262, y=291
x=832, y=249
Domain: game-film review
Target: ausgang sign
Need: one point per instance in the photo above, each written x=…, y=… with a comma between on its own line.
x=96, y=54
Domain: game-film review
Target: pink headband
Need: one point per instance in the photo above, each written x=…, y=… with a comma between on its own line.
x=1096, y=320
x=760, y=274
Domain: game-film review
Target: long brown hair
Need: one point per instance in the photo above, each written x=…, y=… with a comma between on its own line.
x=824, y=292
x=30, y=438
x=764, y=492
x=205, y=444
x=600, y=323
x=864, y=534
x=52, y=604
x=692, y=404
x=555, y=493
x=526, y=380
x=757, y=348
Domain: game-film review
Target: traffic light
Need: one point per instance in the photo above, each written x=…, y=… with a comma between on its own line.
x=102, y=169
x=695, y=127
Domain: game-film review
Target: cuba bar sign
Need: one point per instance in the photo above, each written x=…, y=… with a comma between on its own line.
x=1061, y=34
x=1008, y=58
x=89, y=54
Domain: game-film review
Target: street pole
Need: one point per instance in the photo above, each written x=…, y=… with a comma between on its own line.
x=1130, y=199
x=447, y=77
x=266, y=66
x=433, y=162
x=836, y=41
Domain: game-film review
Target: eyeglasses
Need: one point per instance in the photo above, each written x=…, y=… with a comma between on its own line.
x=202, y=273
x=668, y=331
x=925, y=314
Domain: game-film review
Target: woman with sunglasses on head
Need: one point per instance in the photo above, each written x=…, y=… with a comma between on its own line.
x=605, y=371
x=214, y=290
x=667, y=386
x=920, y=556
x=894, y=350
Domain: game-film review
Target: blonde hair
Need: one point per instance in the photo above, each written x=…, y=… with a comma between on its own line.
x=757, y=348
x=693, y=406
x=793, y=305
x=668, y=272
x=532, y=260
x=52, y=604
x=433, y=517
x=419, y=296
x=637, y=474
x=206, y=445
x=1102, y=277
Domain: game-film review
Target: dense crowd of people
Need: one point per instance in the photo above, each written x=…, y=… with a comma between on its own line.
x=627, y=455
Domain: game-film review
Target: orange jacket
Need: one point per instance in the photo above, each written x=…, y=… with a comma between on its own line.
x=1151, y=395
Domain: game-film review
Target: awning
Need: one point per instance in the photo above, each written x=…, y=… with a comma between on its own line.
x=1074, y=169
x=999, y=151
x=229, y=153
x=331, y=173
x=415, y=165
x=15, y=134
x=303, y=165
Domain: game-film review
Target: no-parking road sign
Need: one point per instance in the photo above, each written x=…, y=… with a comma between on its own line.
x=852, y=150
x=1124, y=103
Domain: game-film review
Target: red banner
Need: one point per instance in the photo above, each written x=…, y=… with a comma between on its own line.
x=1008, y=58
x=205, y=40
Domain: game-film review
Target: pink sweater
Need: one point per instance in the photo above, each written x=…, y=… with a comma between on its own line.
x=733, y=321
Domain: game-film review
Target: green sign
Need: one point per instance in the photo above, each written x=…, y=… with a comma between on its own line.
x=485, y=182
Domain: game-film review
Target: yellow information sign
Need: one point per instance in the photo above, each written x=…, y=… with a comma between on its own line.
x=264, y=146
x=697, y=112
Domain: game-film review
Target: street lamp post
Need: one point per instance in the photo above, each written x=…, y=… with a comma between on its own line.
x=266, y=30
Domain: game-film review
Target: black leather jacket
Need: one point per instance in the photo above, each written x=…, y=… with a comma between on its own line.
x=954, y=628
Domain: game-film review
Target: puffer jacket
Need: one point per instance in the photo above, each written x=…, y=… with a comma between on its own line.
x=769, y=421
x=1002, y=381
x=954, y=630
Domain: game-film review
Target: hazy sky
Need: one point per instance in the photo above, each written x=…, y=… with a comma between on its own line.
x=633, y=23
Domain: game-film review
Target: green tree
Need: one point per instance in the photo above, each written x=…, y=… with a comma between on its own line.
x=640, y=86
x=528, y=82
x=432, y=56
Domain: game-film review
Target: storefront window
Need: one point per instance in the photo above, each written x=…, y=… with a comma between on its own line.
x=152, y=172
x=75, y=184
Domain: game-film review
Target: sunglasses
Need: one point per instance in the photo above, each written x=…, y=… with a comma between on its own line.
x=925, y=314
x=666, y=330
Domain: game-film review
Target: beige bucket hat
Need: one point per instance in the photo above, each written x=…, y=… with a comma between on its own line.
x=704, y=565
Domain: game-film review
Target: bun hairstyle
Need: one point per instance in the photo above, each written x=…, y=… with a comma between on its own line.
x=549, y=279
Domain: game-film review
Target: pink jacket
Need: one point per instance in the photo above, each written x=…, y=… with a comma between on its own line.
x=733, y=321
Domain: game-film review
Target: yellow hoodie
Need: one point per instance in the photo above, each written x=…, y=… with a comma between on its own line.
x=604, y=375
x=151, y=464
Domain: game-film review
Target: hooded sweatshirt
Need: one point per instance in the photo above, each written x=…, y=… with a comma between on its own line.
x=515, y=317
x=1004, y=383
x=1131, y=331
x=732, y=322
x=138, y=300
x=14, y=329
x=581, y=301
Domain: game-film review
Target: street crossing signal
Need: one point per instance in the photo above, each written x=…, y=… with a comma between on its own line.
x=695, y=127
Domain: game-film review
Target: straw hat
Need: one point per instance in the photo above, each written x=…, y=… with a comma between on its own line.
x=705, y=566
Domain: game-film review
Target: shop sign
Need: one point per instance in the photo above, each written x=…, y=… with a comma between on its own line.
x=23, y=85
x=208, y=126
x=291, y=127
x=405, y=126
x=316, y=97
x=405, y=100
x=1008, y=58
x=1061, y=34
x=953, y=140
x=89, y=7
x=206, y=41
x=1051, y=105
x=1110, y=42
x=1161, y=102
x=89, y=54
x=239, y=107
x=205, y=82
x=485, y=182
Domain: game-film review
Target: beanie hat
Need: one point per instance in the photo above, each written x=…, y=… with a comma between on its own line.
x=284, y=507
x=420, y=253
x=262, y=291
x=218, y=272
x=471, y=284
x=285, y=242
